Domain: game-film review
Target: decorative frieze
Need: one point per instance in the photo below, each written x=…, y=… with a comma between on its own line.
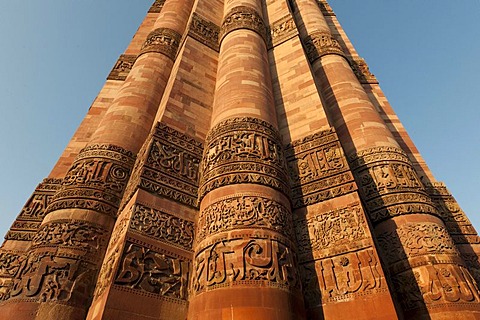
x=122, y=67
x=435, y=284
x=96, y=180
x=156, y=6
x=243, y=17
x=154, y=272
x=415, y=239
x=325, y=8
x=237, y=262
x=243, y=150
x=162, y=226
x=244, y=211
x=342, y=277
x=105, y=277
x=281, y=30
x=319, y=44
x=318, y=169
x=330, y=233
x=162, y=40
x=171, y=167
x=361, y=70
x=204, y=31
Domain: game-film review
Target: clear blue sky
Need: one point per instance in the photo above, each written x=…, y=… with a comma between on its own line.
x=56, y=55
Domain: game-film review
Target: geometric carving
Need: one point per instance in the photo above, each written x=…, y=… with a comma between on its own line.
x=255, y=262
x=243, y=150
x=172, y=166
x=243, y=211
x=153, y=272
x=204, y=31
x=361, y=70
x=415, y=239
x=243, y=17
x=331, y=232
x=318, y=169
x=319, y=44
x=123, y=66
x=162, y=40
x=162, y=226
x=343, y=277
x=281, y=30
x=96, y=180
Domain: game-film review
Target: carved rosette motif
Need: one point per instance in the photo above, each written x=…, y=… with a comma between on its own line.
x=32, y=214
x=281, y=30
x=122, y=67
x=341, y=277
x=319, y=44
x=96, y=180
x=331, y=233
x=162, y=226
x=243, y=150
x=156, y=6
x=162, y=40
x=389, y=184
x=253, y=262
x=143, y=269
x=243, y=17
x=171, y=167
x=244, y=211
x=204, y=31
x=361, y=70
x=318, y=169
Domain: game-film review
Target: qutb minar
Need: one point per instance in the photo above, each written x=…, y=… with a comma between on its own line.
x=240, y=162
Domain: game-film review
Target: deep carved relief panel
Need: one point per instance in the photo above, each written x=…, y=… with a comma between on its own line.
x=389, y=185
x=341, y=277
x=435, y=284
x=261, y=262
x=96, y=180
x=281, y=30
x=244, y=211
x=415, y=239
x=243, y=150
x=361, y=70
x=172, y=166
x=122, y=67
x=319, y=44
x=318, y=169
x=146, y=270
x=162, y=40
x=162, y=226
x=204, y=31
x=243, y=17
x=329, y=233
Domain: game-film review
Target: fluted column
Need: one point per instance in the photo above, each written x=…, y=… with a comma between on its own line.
x=244, y=264
x=427, y=272
x=61, y=268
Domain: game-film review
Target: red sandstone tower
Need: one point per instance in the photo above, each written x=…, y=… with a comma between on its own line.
x=241, y=162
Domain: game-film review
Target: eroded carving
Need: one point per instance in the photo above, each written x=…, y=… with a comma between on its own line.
x=204, y=31
x=281, y=30
x=162, y=40
x=162, y=226
x=244, y=211
x=153, y=272
x=243, y=17
x=361, y=70
x=319, y=44
x=105, y=277
x=122, y=67
x=156, y=6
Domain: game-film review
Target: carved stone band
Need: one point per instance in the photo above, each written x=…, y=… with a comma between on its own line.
x=204, y=31
x=319, y=44
x=243, y=17
x=96, y=180
x=162, y=40
x=243, y=150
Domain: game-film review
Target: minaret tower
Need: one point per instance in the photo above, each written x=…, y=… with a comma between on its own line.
x=240, y=162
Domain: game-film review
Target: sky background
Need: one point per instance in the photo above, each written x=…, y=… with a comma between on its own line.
x=56, y=54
